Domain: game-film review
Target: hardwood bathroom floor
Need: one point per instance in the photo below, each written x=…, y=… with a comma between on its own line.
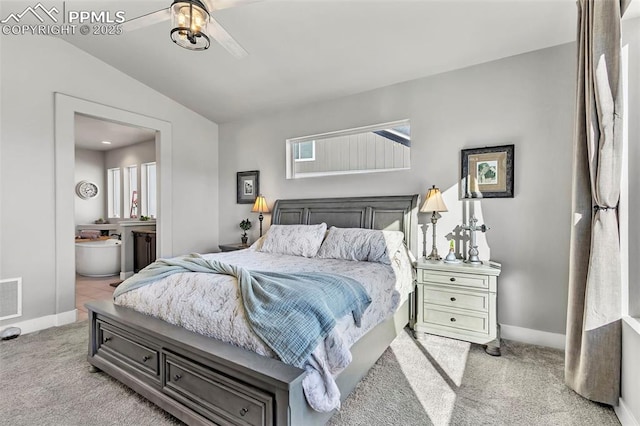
x=88, y=289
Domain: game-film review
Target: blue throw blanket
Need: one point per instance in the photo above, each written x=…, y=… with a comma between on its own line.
x=292, y=313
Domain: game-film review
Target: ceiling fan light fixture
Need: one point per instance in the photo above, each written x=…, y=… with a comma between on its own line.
x=189, y=19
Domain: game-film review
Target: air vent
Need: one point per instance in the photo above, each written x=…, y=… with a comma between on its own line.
x=10, y=298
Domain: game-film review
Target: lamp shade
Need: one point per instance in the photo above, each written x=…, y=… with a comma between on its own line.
x=189, y=20
x=260, y=206
x=434, y=201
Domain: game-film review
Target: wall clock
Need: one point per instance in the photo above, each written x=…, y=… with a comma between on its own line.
x=86, y=189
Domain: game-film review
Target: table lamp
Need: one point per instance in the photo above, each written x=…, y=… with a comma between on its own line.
x=260, y=206
x=433, y=203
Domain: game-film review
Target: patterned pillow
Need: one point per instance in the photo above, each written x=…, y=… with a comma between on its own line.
x=361, y=244
x=296, y=240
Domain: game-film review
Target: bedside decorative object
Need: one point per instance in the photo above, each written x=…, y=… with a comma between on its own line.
x=260, y=206
x=473, y=249
x=433, y=203
x=451, y=257
x=245, y=225
x=487, y=172
x=86, y=189
x=248, y=186
x=459, y=301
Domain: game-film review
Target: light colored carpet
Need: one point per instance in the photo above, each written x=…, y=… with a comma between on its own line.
x=44, y=380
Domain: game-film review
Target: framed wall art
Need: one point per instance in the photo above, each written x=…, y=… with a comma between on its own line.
x=487, y=172
x=248, y=186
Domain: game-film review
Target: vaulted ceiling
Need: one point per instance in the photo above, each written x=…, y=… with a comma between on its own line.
x=307, y=51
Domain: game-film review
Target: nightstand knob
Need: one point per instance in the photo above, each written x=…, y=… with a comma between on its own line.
x=146, y=358
x=244, y=411
x=106, y=339
x=452, y=279
x=177, y=377
x=453, y=299
x=453, y=320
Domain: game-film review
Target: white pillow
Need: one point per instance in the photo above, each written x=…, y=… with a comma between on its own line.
x=296, y=240
x=257, y=245
x=361, y=244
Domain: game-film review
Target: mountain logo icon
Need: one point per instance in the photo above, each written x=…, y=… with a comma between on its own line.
x=34, y=11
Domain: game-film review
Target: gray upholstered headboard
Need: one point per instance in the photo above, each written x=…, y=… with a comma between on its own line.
x=395, y=213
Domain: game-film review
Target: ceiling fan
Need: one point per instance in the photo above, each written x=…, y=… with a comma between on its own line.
x=192, y=24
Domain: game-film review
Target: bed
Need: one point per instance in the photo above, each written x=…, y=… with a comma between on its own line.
x=205, y=381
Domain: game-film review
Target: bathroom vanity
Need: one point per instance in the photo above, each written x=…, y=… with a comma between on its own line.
x=127, y=232
x=124, y=230
x=144, y=248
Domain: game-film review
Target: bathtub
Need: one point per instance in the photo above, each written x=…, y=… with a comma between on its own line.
x=98, y=258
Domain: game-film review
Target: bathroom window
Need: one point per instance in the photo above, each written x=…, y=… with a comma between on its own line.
x=149, y=193
x=131, y=191
x=113, y=192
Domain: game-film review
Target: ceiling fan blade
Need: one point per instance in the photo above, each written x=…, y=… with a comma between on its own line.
x=215, y=31
x=147, y=20
x=226, y=4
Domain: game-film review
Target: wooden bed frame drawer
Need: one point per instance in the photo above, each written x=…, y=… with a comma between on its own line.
x=128, y=348
x=218, y=397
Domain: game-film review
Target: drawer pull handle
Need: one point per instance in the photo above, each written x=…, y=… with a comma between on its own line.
x=244, y=411
x=106, y=339
x=452, y=279
x=146, y=358
x=453, y=320
x=177, y=377
x=453, y=299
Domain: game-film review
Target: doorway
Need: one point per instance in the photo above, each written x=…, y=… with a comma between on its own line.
x=115, y=178
x=66, y=109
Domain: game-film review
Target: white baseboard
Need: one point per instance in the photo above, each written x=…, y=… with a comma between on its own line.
x=36, y=324
x=625, y=415
x=533, y=337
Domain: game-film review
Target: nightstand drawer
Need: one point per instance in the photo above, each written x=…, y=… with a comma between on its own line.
x=469, y=321
x=477, y=301
x=469, y=280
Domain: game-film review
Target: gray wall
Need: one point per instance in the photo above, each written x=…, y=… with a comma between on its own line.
x=631, y=336
x=631, y=38
x=90, y=167
x=526, y=100
x=32, y=69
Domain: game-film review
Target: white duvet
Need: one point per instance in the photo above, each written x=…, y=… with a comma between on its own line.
x=209, y=304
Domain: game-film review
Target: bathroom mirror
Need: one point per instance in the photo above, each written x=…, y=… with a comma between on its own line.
x=377, y=148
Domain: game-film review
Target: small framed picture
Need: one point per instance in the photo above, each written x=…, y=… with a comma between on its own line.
x=248, y=186
x=487, y=172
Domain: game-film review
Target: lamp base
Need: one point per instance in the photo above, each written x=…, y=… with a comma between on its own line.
x=434, y=250
x=434, y=255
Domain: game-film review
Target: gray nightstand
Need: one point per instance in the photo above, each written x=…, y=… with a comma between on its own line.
x=233, y=247
x=459, y=301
